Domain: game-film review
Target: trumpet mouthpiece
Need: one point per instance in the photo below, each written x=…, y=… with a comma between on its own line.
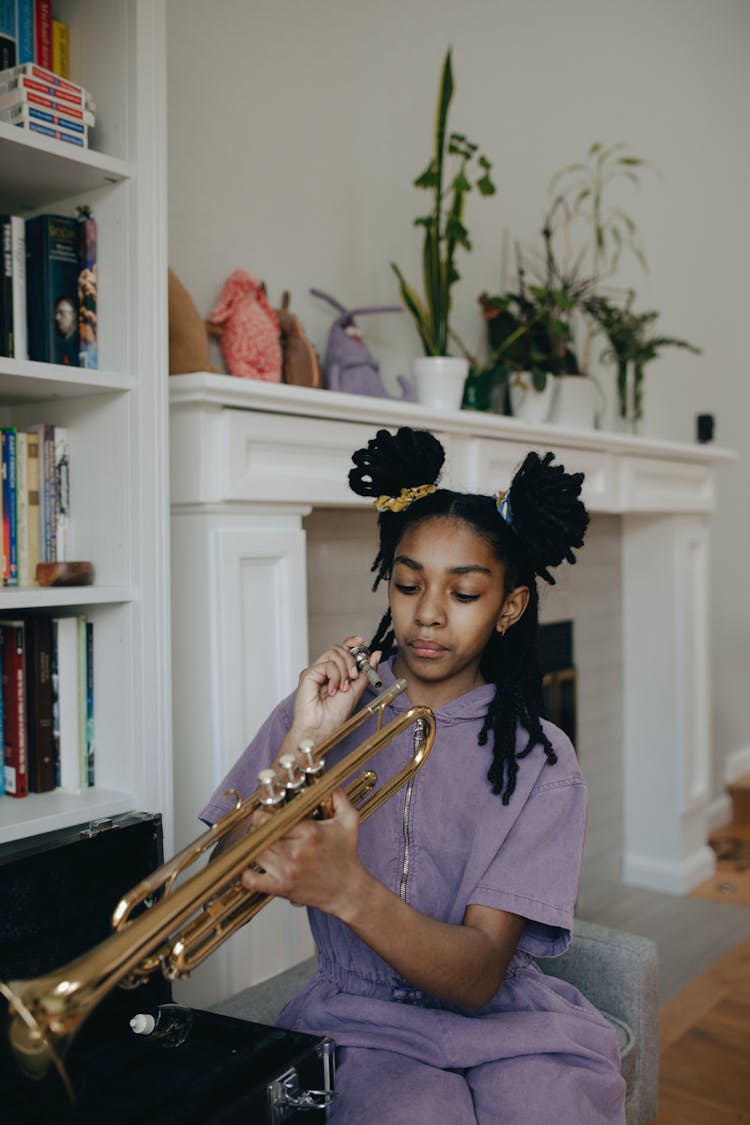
x=361, y=656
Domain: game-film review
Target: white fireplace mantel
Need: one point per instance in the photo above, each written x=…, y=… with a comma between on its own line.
x=249, y=460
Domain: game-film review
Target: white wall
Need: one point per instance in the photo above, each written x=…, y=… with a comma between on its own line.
x=297, y=126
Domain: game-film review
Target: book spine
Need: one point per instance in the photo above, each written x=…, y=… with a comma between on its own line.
x=50, y=494
x=16, y=99
x=2, y=723
x=14, y=709
x=60, y=52
x=62, y=493
x=66, y=633
x=55, y=673
x=87, y=310
x=83, y=752
x=58, y=134
x=90, y=741
x=51, y=87
x=43, y=33
x=52, y=288
x=40, y=748
x=34, y=515
x=25, y=52
x=22, y=507
x=18, y=249
x=7, y=52
x=10, y=484
x=27, y=115
x=8, y=34
x=6, y=288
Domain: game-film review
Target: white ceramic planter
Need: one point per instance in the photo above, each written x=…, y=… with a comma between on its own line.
x=439, y=381
x=526, y=401
x=576, y=401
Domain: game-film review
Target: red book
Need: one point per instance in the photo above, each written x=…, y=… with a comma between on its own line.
x=43, y=33
x=14, y=708
x=39, y=729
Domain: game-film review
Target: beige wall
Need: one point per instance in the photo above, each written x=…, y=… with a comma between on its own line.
x=297, y=126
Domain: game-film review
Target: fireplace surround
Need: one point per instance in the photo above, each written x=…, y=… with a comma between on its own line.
x=251, y=461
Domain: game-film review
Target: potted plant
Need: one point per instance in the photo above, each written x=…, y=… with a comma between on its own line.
x=631, y=347
x=456, y=167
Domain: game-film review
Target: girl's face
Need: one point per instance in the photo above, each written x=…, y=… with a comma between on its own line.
x=446, y=597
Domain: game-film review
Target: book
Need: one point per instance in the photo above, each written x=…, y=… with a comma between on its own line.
x=25, y=40
x=52, y=289
x=90, y=741
x=24, y=96
x=60, y=51
x=29, y=76
x=9, y=486
x=43, y=33
x=8, y=34
x=61, y=469
x=55, y=134
x=26, y=115
x=14, y=707
x=33, y=519
x=6, y=286
x=22, y=507
x=83, y=750
x=7, y=52
x=87, y=314
x=2, y=737
x=18, y=253
x=40, y=744
x=65, y=702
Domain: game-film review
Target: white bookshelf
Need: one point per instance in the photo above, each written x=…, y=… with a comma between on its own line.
x=117, y=416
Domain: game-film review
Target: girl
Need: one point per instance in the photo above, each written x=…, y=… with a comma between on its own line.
x=427, y=917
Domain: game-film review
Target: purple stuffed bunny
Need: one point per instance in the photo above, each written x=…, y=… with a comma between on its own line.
x=347, y=364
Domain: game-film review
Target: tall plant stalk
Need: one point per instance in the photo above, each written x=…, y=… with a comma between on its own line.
x=444, y=230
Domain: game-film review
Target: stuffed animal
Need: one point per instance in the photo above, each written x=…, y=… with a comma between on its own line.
x=348, y=365
x=188, y=339
x=301, y=366
x=248, y=329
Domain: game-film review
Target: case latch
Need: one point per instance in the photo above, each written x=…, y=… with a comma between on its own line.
x=285, y=1097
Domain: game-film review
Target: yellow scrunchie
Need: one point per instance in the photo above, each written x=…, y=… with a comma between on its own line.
x=405, y=497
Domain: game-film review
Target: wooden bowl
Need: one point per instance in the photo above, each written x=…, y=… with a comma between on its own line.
x=65, y=573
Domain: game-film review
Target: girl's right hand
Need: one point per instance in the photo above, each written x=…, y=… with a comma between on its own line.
x=329, y=691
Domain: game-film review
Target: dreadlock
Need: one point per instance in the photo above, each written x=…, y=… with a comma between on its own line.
x=544, y=520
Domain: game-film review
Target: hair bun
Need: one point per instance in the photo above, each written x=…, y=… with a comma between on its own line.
x=548, y=515
x=391, y=462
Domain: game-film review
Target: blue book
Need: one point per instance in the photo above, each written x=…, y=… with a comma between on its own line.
x=10, y=529
x=25, y=31
x=90, y=742
x=8, y=45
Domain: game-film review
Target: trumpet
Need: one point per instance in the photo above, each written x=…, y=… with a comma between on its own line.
x=189, y=920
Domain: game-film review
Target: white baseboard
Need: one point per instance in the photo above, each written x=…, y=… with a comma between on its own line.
x=674, y=878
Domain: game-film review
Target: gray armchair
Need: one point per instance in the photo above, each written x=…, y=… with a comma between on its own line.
x=615, y=970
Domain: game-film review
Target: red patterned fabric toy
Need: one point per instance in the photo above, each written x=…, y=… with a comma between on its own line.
x=248, y=329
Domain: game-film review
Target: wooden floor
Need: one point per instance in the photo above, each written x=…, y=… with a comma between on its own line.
x=704, y=1076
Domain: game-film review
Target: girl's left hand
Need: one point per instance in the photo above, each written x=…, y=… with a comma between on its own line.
x=316, y=863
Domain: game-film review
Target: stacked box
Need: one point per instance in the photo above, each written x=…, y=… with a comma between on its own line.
x=37, y=99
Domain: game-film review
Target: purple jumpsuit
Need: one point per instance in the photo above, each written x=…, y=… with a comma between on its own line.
x=538, y=1052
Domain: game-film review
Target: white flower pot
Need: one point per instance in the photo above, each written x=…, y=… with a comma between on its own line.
x=439, y=381
x=526, y=402
x=577, y=399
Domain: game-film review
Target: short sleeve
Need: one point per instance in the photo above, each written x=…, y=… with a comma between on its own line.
x=535, y=872
x=243, y=776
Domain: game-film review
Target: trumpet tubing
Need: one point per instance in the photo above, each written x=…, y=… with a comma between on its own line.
x=193, y=918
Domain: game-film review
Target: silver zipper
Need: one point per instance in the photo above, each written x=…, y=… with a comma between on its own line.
x=419, y=737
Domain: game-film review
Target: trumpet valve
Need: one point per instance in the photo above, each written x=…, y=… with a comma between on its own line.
x=271, y=793
x=311, y=763
x=290, y=774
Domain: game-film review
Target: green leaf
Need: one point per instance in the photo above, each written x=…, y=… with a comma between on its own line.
x=457, y=232
x=430, y=178
x=414, y=306
x=461, y=184
x=485, y=185
x=539, y=378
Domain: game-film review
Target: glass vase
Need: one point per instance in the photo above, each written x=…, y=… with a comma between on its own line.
x=629, y=397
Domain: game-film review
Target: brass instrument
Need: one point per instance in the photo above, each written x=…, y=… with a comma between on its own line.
x=190, y=921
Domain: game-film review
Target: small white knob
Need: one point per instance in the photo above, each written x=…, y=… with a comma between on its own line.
x=142, y=1024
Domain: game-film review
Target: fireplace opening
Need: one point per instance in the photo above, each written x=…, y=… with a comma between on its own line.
x=559, y=675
